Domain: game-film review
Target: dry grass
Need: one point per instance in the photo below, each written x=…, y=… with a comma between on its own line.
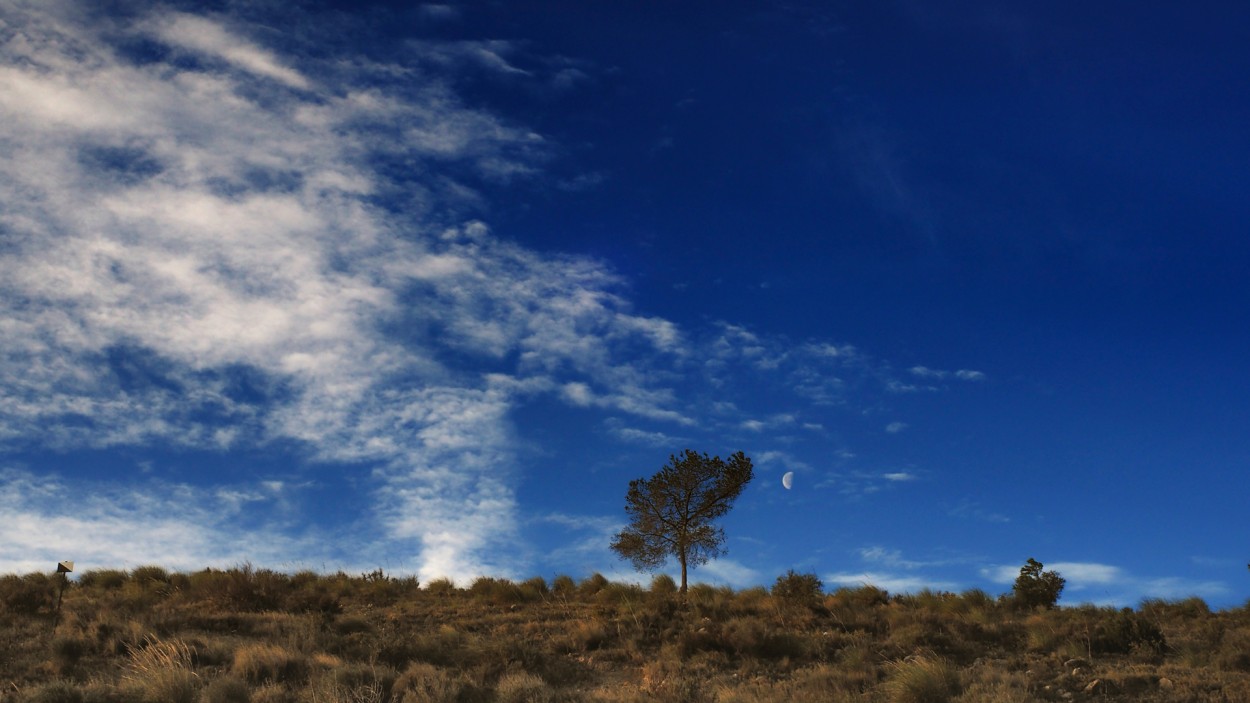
x=922, y=679
x=160, y=671
x=422, y=683
x=261, y=662
x=261, y=637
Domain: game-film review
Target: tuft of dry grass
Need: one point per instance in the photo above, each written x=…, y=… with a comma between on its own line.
x=921, y=679
x=523, y=687
x=426, y=683
x=160, y=671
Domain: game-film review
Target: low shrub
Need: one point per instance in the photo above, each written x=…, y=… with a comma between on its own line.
x=534, y=589
x=103, y=579
x=563, y=586
x=1126, y=632
x=495, y=590
x=663, y=585
x=797, y=590
x=27, y=595
x=67, y=650
x=149, y=576
x=592, y=584
x=441, y=587
x=523, y=687
x=426, y=683
x=226, y=689
x=261, y=662
x=54, y=692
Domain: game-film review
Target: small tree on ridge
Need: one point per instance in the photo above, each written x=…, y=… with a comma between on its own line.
x=671, y=513
x=1035, y=587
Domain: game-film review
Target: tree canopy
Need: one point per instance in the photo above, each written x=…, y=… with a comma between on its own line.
x=1035, y=588
x=672, y=513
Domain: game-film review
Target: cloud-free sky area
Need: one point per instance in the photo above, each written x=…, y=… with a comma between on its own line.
x=422, y=287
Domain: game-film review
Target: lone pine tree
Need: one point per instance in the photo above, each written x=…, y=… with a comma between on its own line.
x=672, y=513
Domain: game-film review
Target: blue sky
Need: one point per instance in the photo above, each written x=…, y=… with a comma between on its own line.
x=422, y=287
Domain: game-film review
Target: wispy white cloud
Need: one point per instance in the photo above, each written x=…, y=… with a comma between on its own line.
x=209, y=248
x=972, y=510
x=894, y=583
x=1078, y=574
x=961, y=374
x=725, y=571
x=651, y=438
x=176, y=230
x=889, y=557
x=178, y=526
x=214, y=39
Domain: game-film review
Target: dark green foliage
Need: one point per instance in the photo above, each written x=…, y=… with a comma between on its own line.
x=672, y=513
x=795, y=589
x=1127, y=632
x=1035, y=588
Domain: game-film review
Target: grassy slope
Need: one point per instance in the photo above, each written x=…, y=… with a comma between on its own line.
x=256, y=635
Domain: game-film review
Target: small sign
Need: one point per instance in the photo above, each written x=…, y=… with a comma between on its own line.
x=65, y=567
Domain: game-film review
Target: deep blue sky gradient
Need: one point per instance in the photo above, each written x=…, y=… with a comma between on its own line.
x=976, y=273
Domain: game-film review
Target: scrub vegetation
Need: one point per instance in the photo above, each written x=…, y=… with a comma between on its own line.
x=247, y=635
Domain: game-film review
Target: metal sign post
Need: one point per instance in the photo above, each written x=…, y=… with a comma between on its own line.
x=62, y=568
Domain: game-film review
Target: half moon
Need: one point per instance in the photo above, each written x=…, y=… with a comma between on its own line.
x=787, y=479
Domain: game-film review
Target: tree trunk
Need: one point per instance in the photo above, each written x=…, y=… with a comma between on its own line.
x=683, y=575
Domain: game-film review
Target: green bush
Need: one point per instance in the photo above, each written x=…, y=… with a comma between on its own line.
x=798, y=590
x=1035, y=588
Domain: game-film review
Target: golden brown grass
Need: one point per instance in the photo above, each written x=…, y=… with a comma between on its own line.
x=161, y=671
x=252, y=635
